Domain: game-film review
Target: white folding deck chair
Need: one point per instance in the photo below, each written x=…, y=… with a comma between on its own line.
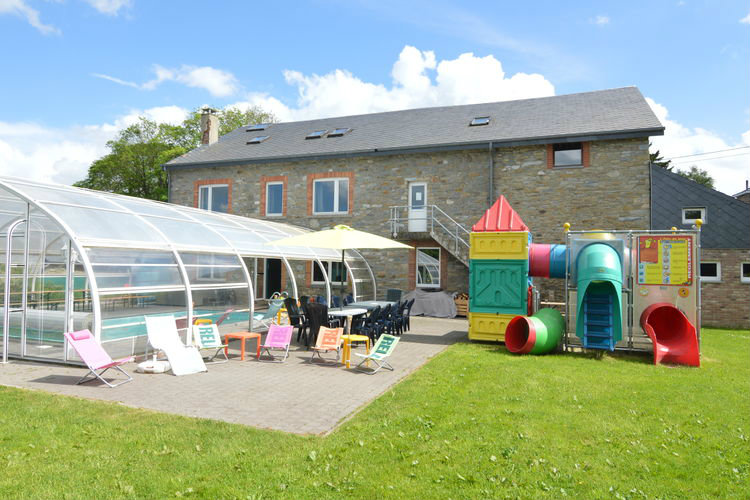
x=381, y=350
x=163, y=336
x=206, y=337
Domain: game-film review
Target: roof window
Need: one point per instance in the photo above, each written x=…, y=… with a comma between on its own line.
x=338, y=132
x=480, y=120
x=257, y=126
x=258, y=140
x=316, y=135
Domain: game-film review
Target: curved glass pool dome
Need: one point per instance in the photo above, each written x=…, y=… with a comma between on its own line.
x=74, y=258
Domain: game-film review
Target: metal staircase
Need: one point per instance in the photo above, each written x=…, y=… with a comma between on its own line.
x=440, y=226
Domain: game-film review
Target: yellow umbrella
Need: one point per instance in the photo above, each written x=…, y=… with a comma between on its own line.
x=342, y=238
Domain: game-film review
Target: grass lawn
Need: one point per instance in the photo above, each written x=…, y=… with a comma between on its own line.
x=475, y=422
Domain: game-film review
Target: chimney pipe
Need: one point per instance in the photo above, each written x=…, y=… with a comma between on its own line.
x=209, y=126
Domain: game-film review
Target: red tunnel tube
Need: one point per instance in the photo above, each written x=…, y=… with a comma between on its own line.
x=539, y=260
x=673, y=335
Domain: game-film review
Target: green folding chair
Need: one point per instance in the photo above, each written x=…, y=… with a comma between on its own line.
x=379, y=352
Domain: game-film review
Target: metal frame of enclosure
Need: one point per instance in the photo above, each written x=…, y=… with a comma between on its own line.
x=636, y=297
x=75, y=258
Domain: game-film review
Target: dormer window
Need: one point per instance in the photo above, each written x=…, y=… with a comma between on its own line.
x=479, y=121
x=316, y=135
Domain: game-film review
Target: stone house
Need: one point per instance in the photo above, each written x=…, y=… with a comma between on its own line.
x=725, y=242
x=426, y=175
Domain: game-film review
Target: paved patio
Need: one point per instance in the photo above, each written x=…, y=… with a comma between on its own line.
x=311, y=399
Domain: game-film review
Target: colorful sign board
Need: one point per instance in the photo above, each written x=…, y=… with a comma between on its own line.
x=665, y=260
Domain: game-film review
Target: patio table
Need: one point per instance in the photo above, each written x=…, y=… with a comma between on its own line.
x=243, y=336
x=348, y=339
x=347, y=313
x=372, y=304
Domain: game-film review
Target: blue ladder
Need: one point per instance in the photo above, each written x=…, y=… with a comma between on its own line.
x=597, y=322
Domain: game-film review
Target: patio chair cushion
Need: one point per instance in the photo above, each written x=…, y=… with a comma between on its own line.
x=81, y=335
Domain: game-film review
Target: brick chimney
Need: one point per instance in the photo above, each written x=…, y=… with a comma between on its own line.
x=209, y=126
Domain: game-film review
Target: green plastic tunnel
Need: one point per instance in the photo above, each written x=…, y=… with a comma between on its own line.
x=537, y=334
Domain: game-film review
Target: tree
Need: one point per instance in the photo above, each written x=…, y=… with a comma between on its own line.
x=698, y=175
x=134, y=164
x=658, y=160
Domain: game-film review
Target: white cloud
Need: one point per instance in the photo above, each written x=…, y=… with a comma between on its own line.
x=746, y=19
x=418, y=80
x=217, y=82
x=729, y=168
x=64, y=155
x=600, y=20
x=110, y=7
x=20, y=8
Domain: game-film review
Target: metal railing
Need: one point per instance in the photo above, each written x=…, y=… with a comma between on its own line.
x=441, y=226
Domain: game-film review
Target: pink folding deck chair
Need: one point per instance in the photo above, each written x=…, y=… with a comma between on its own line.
x=95, y=357
x=329, y=339
x=278, y=338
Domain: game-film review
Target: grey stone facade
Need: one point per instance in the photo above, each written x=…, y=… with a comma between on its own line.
x=612, y=192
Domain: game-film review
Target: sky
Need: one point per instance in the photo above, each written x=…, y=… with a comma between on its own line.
x=77, y=71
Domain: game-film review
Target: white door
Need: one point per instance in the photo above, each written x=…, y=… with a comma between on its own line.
x=418, y=207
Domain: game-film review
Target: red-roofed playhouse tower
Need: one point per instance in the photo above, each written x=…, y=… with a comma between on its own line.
x=611, y=276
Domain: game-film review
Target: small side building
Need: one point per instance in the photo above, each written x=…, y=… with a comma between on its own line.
x=725, y=242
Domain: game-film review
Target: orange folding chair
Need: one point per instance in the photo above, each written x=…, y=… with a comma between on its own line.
x=329, y=340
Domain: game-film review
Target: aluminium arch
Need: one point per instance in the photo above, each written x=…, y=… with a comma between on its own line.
x=93, y=220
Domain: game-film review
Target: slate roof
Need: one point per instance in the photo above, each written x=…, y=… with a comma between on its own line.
x=727, y=222
x=571, y=117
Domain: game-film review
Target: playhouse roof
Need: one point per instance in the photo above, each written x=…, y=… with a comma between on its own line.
x=500, y=217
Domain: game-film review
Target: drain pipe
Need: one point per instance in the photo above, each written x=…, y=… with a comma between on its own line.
x=491, y=190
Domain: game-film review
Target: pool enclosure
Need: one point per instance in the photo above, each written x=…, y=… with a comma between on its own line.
x=75, y=258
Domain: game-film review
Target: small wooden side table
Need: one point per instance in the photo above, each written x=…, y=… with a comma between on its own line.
x=242, y=337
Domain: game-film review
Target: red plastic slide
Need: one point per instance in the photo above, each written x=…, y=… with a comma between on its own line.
x=674, y=337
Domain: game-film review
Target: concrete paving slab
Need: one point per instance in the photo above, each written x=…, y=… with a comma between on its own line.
x=312, y=399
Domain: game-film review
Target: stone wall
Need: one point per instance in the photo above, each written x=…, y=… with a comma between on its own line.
x=726, y=303
x=611, y=192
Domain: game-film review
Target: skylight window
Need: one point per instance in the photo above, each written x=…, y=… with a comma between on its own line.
x=316, y=135
x=480, y=120
x=257, y=126
x=258, y=140
x=338, y=132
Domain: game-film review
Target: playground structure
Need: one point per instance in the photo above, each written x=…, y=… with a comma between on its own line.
x=624, y=290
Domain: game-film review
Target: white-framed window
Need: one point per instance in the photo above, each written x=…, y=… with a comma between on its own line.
x=428, y=267
x=214, y=197
x=333, y=269
x=745, y=272
x=275, y=198
x=331, y=196
x=691, y=214
x=568, y=154
x=711, y=272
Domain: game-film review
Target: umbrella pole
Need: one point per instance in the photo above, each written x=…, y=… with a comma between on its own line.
x=343, y=278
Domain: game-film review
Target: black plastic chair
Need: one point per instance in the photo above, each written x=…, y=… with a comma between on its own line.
x=386, y=320
x=317, y=314
x=296, y=318
x=393, y=295
x=398, y=318
x=370, y=325
x=405, y=317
